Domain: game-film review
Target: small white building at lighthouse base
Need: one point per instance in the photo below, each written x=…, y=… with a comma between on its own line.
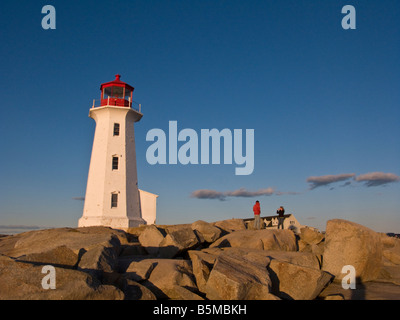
x=148, y=206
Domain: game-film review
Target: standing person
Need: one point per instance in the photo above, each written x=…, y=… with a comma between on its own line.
x=281, y=218
x=257, y=211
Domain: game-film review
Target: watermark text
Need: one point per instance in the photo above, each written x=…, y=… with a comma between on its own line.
x=189, y=153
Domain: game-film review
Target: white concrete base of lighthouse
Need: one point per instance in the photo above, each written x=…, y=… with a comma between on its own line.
x=148, y=208
x=112, y=222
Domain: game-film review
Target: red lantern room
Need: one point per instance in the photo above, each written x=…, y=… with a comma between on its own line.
x=116, y=93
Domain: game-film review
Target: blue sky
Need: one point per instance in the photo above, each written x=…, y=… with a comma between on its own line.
x=323, y=101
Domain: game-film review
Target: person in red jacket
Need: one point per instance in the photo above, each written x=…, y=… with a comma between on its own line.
x=257, y=211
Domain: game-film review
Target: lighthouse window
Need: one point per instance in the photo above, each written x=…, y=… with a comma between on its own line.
x=127, y=94
x=107, y=92
x=117, y=92
x=115, y=163
x=114, y=200
x=116, y=129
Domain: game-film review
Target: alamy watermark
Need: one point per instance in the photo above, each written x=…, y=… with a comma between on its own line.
x=49, y=20
x=189, y=152
x=349, y=20
x=49, y=281
x=349, y=280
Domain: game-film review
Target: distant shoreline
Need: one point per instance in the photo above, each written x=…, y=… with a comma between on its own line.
x=15, y=229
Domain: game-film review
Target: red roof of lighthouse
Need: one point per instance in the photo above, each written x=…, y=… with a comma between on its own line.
x=117, y=82
x=116, y=93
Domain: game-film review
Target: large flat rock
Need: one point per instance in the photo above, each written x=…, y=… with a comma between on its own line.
x=39, y=241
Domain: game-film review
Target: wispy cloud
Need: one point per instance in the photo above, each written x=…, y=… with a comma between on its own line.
x=320, y=181
x=374, y=179
x=285, y=193
x=242, y=192
x=78, y=198
x=208, y=194
x=370, y=180
x=347, y=183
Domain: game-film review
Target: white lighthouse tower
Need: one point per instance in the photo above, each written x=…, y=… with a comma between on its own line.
x=112, y=195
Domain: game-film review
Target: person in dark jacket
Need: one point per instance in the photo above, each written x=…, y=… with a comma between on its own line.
x=281, y=218
x=257, y=212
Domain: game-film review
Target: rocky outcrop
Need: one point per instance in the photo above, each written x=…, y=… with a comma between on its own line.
x=60, y=256
x=311, y=236
x=295, y=282
x=348, y=243
x=370, y=290
x=177, y=241
x=390, y=250
x=202, y=264
x=135, y=291
x=236, y=278
x=231, y=225
x=98, y=260
x=23, y=280
x=169, y=241
x=167, y=275
x=140, y=270
x=150, y=239
x=208, y=232
x=265, y=239
x=221, y=260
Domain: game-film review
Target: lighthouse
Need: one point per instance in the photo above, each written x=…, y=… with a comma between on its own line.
x=112, y=196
